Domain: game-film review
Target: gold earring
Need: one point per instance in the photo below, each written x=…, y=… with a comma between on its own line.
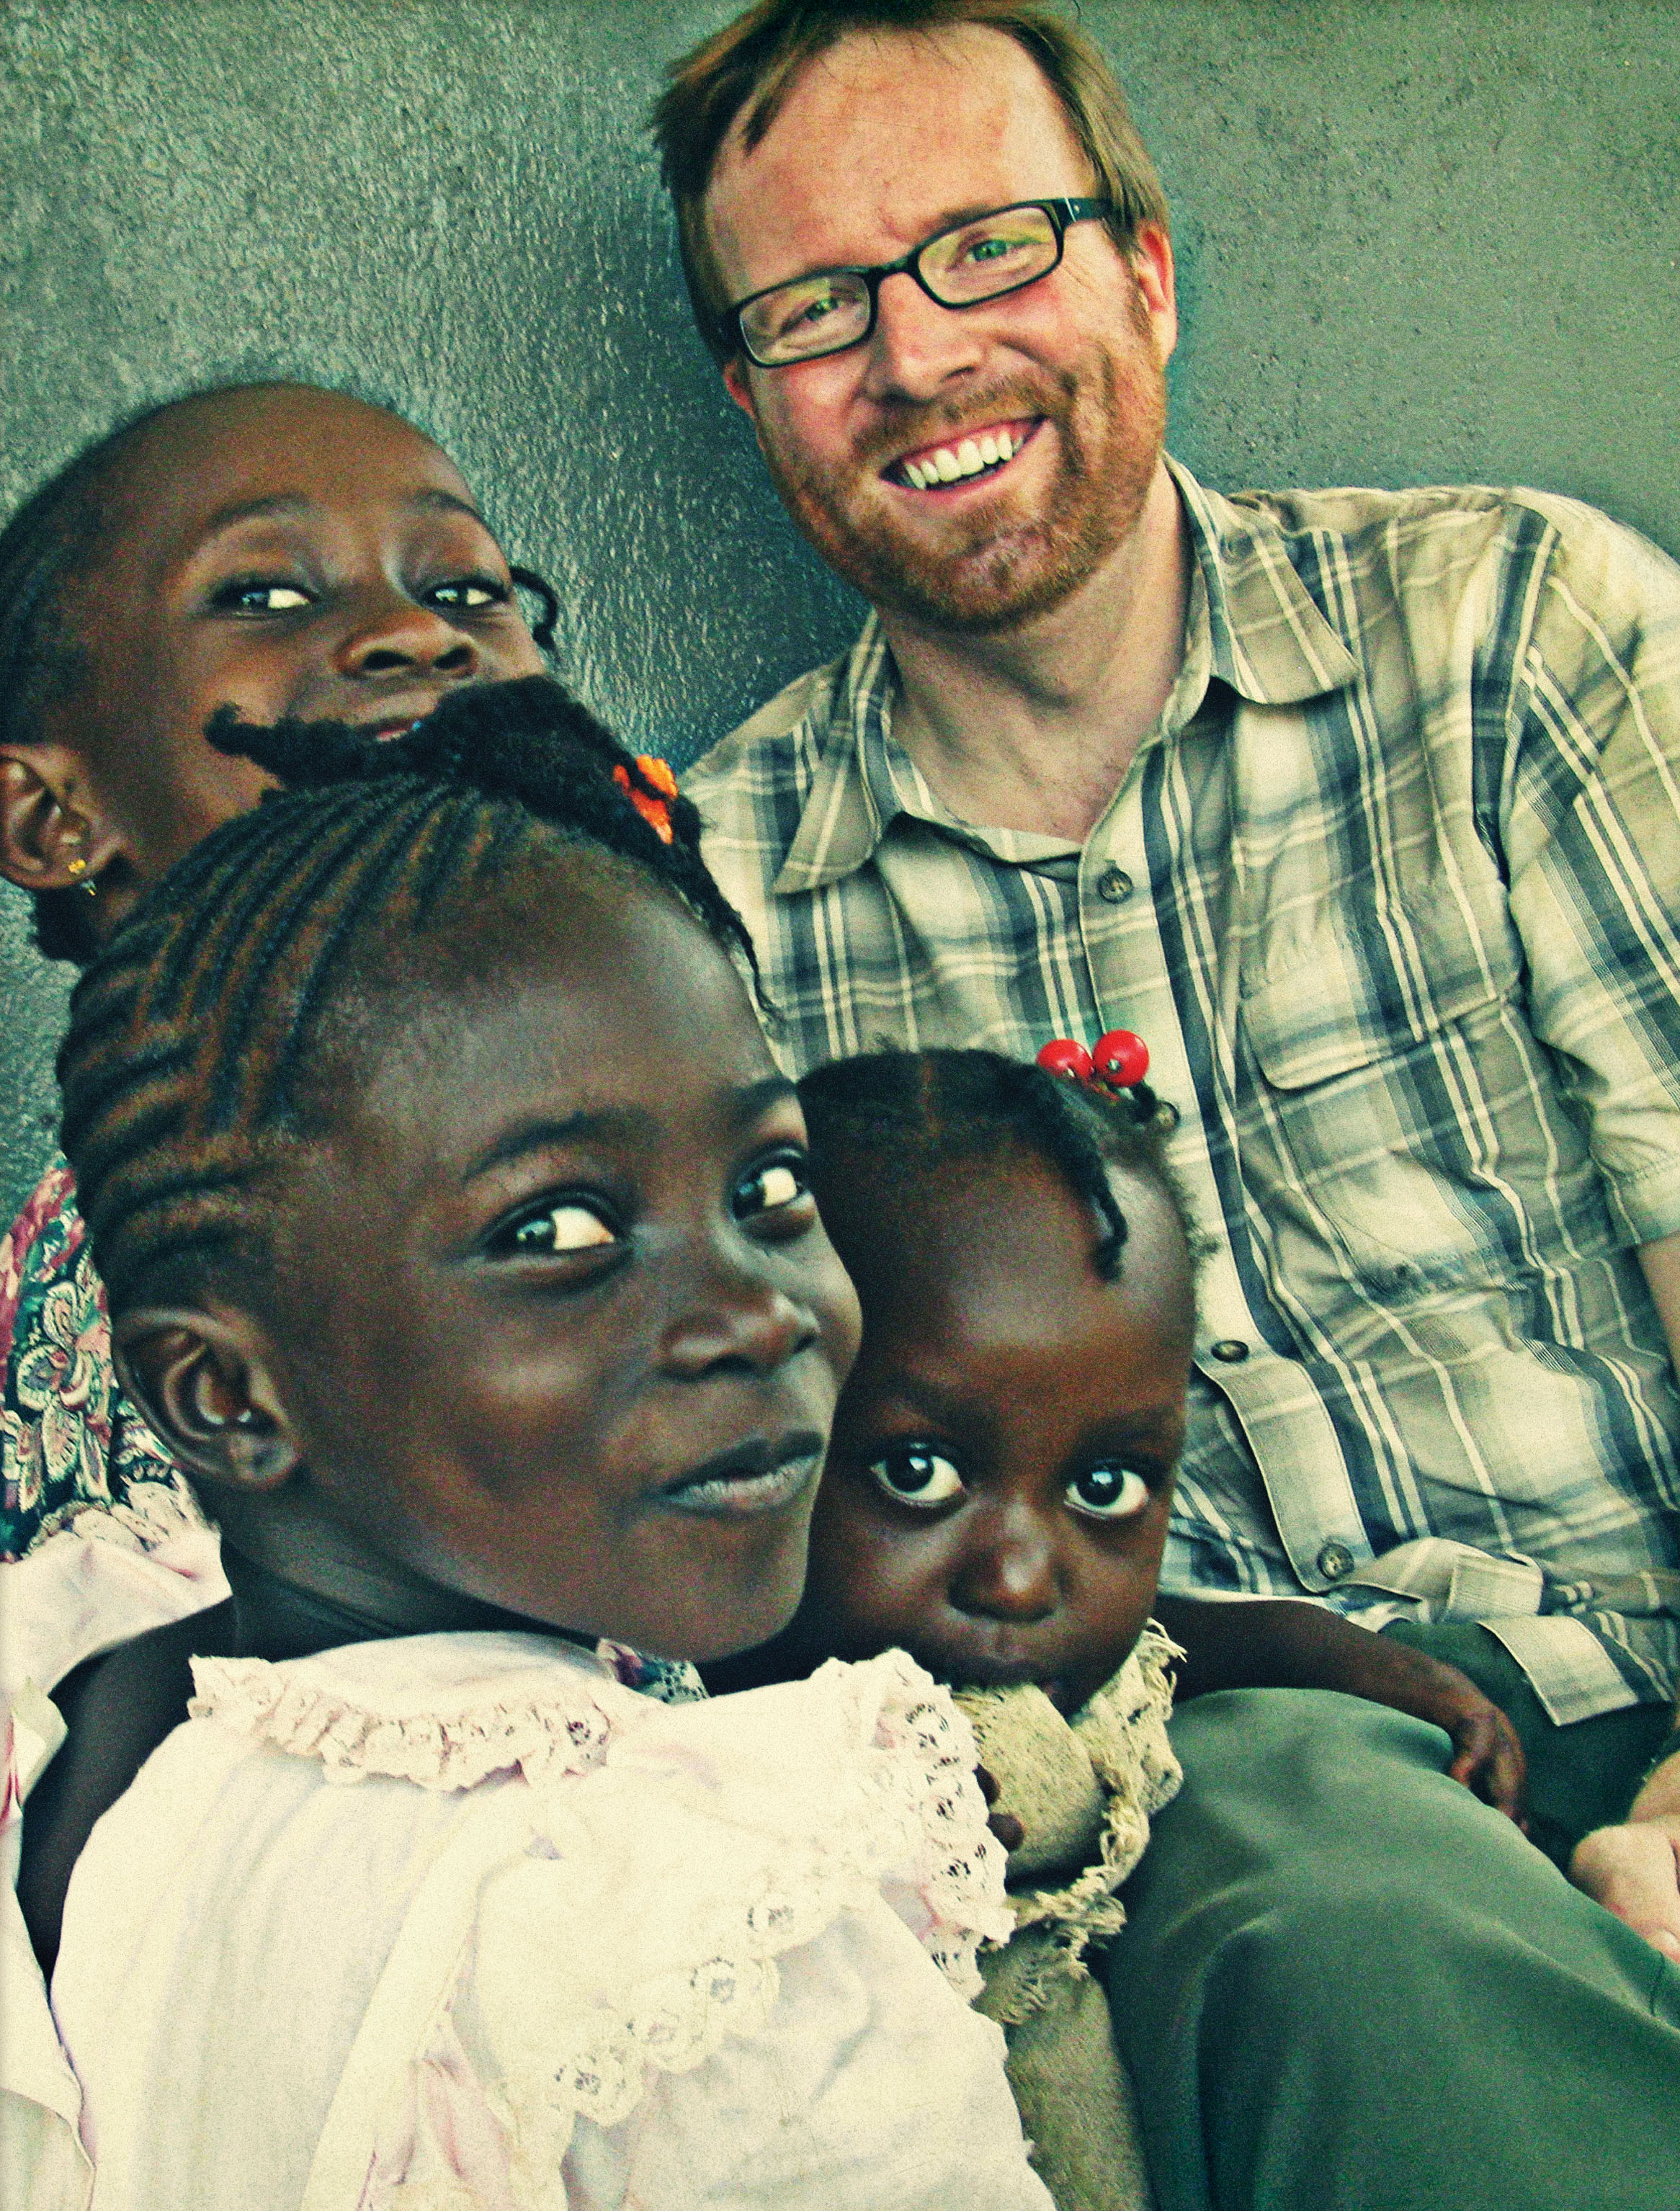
x=77, y=863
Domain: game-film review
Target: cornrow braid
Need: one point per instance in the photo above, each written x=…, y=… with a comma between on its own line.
x=194, y=1036
x=920, y=1109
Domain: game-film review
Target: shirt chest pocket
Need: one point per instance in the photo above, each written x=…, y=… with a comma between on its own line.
x=1397, y=1116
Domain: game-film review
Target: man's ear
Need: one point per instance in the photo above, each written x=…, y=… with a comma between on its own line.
x=1151, y=256
x=739, y=388
x=203, y=1382
x=53, y=833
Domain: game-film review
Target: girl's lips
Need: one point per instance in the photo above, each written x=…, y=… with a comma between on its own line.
x=979, y=1668
x=392, y=725
x=757, y=1476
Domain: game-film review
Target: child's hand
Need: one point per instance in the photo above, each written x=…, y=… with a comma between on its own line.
x=1004, y=1824
x=1488, y=1757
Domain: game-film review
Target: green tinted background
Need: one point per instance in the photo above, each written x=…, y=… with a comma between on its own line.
x=1418, y=242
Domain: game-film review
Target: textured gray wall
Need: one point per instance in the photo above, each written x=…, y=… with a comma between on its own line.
x=1420, y=239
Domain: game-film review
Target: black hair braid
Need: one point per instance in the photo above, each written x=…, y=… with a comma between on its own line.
x=541, y=749
x=921, y=1109
x=187, y=1068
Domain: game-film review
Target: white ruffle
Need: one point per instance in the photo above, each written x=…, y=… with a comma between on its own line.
x=627, y=1927
x=358, y=1717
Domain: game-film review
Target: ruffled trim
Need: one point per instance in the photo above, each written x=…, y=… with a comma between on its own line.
x=908, y=1822
x=922, y=1807
x=1123, y=1730
x=562, y=1729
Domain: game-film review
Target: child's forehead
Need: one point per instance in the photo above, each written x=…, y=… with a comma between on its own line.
x=1000, y=1241
x=212, y=454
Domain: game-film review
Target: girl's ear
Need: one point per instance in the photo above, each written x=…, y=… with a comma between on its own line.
x=53, y=835
x=203, y=1381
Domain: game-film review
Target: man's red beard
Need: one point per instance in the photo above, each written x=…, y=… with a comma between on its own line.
x=999, y=566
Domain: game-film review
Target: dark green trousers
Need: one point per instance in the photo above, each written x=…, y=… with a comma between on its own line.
x=1346, y=1985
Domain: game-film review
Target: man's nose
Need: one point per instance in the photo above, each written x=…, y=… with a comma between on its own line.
x=734, y=1317
x=1008, y=1569
x=918, y=348
x=389, y=632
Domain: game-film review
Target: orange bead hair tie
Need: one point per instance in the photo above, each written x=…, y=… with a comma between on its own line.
x=653, y=806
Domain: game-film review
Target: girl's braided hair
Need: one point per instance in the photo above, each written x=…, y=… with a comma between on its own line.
x=909, y=1112
x=186, y=1071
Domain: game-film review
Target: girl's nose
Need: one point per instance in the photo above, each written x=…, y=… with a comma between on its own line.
x=738, y=1319
x=397, y=634
x=1008, y=1567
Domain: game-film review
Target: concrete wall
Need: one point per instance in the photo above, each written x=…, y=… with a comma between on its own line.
x=1420, y=239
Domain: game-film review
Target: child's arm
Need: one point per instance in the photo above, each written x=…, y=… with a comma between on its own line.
x=117, y=1708
x=1265, y=1643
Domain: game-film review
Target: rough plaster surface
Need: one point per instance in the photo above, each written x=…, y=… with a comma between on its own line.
x=1420, y=241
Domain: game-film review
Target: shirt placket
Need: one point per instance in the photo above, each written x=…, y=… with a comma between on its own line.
x=1297, y=1455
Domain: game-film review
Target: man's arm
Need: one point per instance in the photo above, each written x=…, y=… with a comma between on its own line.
x=1263, y=1643
x=1633, y=1870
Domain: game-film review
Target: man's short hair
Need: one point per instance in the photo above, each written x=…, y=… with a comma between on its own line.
x=751, y=64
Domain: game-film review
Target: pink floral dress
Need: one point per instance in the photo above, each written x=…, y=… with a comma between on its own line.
x=69, y=1440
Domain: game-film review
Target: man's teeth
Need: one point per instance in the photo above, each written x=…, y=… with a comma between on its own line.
x=967, y=459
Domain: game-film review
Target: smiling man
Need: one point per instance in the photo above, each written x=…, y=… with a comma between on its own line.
x=1360, y=806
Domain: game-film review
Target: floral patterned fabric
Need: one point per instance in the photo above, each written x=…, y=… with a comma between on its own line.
x=69, y=1440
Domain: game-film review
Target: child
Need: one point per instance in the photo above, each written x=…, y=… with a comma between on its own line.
x=458, y=1240
x=289, y=551
x=996, y=1502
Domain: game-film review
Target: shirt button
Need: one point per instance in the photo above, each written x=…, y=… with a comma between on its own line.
x=1335, y=1562
x=1230, y=1350
x=1114, y=885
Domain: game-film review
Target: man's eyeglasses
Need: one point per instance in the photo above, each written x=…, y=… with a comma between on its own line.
x=969, y=264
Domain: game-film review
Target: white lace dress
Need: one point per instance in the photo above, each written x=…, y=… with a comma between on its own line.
x=559, y=1947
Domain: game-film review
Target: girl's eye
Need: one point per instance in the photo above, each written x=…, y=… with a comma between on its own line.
x=774, y=1187
x=566, y=1228
x=1108, y=1493
x=251, y=596
x=916, y=1476
x=469, y=595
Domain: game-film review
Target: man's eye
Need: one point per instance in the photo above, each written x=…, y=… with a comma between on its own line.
x=469, y=595
x=915, y=1475
x=567, y=1227
x=1108, y=1493
x=772, y=1188
x=251, y=596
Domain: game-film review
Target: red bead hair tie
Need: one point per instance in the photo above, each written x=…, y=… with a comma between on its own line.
x=1117, y=1061
x=654, y=806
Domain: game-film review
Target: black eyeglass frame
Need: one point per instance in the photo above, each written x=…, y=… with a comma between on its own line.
x=1063, y=214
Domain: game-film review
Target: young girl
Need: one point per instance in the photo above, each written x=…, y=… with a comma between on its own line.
x=995, y=1503
x=458, y=1240
x=286, y=550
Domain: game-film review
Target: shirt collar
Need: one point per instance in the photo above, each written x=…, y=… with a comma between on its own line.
x=1252, y=619
x=1267, y=638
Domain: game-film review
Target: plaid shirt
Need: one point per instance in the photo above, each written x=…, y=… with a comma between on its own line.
x=1389, y=890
